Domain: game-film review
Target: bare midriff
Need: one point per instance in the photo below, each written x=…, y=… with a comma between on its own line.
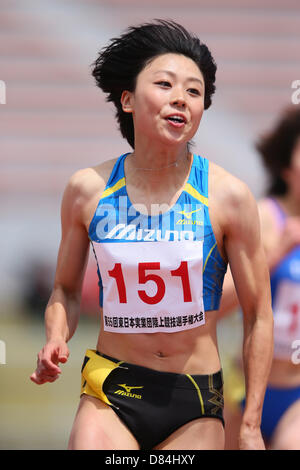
x=193, y=351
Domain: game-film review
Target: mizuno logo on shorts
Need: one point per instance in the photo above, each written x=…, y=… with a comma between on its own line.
x=128, y=389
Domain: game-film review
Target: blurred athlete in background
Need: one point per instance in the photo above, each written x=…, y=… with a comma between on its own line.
x=280, y=226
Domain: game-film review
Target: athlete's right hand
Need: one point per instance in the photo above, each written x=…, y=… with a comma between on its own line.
x=49, y=357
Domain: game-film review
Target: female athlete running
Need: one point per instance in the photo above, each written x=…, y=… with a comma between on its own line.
x=163, y=223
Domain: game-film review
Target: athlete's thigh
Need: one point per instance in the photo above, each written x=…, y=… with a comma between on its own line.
x=287, y=435
x=199, y=434
x=97, y=427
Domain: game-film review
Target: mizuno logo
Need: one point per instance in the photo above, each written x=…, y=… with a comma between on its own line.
x=128, y=393
x=188, y=215
x=131, y=232
x=128, y=388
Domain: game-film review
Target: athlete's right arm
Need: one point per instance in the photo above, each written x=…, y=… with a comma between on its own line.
x=63, y=309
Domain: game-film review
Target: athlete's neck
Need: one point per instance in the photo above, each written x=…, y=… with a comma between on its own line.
x=154, y=158
x=158, y=175
x=157, y=166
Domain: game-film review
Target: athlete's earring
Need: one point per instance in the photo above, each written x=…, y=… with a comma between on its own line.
x=126, y=101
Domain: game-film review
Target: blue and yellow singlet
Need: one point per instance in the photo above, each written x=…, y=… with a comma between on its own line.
x=156, y=273
x=285, y=288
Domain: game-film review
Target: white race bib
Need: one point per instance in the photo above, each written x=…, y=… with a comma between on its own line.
x=151, y=287
x=286, y=318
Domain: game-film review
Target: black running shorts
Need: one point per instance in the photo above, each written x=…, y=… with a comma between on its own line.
x=152, y=404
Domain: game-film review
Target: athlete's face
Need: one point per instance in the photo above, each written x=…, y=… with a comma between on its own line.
x=168, y=101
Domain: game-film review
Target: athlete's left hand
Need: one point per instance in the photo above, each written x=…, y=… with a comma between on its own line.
x=251, y=438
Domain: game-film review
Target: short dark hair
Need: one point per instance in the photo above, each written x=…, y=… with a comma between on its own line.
x=118, y=64
x=276, y=149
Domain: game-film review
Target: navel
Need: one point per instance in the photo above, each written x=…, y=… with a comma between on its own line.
x=159, y=354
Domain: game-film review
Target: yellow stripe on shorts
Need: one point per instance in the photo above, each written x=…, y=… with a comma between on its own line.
x=198, y=391
x=96, y=370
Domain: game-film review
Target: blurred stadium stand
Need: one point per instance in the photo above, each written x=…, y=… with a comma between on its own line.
x=56, y=121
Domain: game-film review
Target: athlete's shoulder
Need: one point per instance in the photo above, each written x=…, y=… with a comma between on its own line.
x=234, y=191
x=268, y=220
x=86, y=181
x=83, y=188
x=232, y=201
x=265, y=208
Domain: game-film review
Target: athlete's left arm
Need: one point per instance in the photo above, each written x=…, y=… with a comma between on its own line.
x=250, y=273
